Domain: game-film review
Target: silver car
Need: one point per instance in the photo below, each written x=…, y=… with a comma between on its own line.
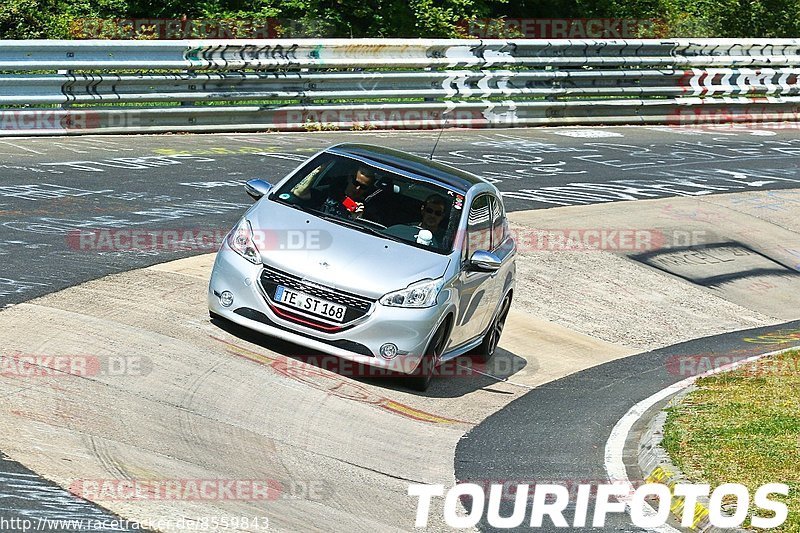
x=373, y=255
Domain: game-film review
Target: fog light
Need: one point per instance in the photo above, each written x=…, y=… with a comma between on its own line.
x=226, y=298
x=389, y=351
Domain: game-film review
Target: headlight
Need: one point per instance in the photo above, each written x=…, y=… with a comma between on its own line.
x=420, y=294
x=241, y=241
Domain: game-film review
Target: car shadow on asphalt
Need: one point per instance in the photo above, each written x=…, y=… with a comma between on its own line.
x=457, y=377
x=466, y=374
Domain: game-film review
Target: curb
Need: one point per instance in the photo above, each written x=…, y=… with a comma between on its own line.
x=649, y=445
x=657, y=467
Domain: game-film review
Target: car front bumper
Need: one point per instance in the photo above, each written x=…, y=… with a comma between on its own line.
x=409, y=329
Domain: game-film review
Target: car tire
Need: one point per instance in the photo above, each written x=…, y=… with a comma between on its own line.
x=484, y=352
x=420, y=379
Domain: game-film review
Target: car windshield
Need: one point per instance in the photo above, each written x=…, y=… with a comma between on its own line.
x=396, y=207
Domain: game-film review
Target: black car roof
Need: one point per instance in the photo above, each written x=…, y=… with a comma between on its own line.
x=446, y=174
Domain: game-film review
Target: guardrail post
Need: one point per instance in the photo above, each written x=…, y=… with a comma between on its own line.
x=191, y=87
x=64, y=105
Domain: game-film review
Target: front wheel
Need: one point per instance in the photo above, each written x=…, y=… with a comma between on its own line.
x=488, y=346
x=421, y=378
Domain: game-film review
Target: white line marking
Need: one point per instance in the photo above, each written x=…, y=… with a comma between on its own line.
x=587, y=133
x=23, y=148
x=615, y=467
x=65, y=146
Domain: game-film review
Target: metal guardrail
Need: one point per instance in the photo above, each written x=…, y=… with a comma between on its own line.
x=153, y=86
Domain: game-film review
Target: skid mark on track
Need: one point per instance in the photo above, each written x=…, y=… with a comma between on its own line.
x=193, y=426
x=779, y=337
x=333, y=384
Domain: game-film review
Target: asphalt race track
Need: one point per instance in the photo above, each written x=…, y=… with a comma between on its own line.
x=51, y=188
x=546, y=448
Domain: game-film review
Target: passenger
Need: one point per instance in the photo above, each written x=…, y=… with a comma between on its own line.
x=432, y=213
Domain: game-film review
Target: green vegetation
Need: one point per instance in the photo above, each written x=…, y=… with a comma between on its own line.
x=743, y=427
x=28, y=19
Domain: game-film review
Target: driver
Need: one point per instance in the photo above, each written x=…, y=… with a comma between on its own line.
x=346, y=203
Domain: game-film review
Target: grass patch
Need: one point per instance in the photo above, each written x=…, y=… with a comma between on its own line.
x=743, y=427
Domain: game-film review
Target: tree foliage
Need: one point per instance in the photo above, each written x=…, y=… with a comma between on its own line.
x=26, y=19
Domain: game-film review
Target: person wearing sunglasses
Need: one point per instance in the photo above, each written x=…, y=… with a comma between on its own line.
x=433, y=212
x=342, y=199
x=361, y=185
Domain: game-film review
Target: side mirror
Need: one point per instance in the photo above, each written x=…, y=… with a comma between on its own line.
x=483, y=261
x=257, y=188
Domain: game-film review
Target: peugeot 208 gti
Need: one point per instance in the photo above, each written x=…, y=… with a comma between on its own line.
x=373, y=255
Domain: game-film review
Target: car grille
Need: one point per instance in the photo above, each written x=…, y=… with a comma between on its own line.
x=344, y=344
x=357, y=306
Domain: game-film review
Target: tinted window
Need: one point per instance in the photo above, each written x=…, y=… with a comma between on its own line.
x=363, y=196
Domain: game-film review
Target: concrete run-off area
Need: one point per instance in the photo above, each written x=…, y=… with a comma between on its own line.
x=166, y=396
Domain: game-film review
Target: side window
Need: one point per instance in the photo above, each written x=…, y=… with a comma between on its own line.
x=479, y=225
x=499, y=223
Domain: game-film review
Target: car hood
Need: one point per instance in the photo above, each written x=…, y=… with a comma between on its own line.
x=338, y=256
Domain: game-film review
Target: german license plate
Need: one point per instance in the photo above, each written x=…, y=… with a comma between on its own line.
x=310, y=304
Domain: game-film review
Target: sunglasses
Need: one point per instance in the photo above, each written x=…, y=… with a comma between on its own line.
x=358, y=185
x=432, y=211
